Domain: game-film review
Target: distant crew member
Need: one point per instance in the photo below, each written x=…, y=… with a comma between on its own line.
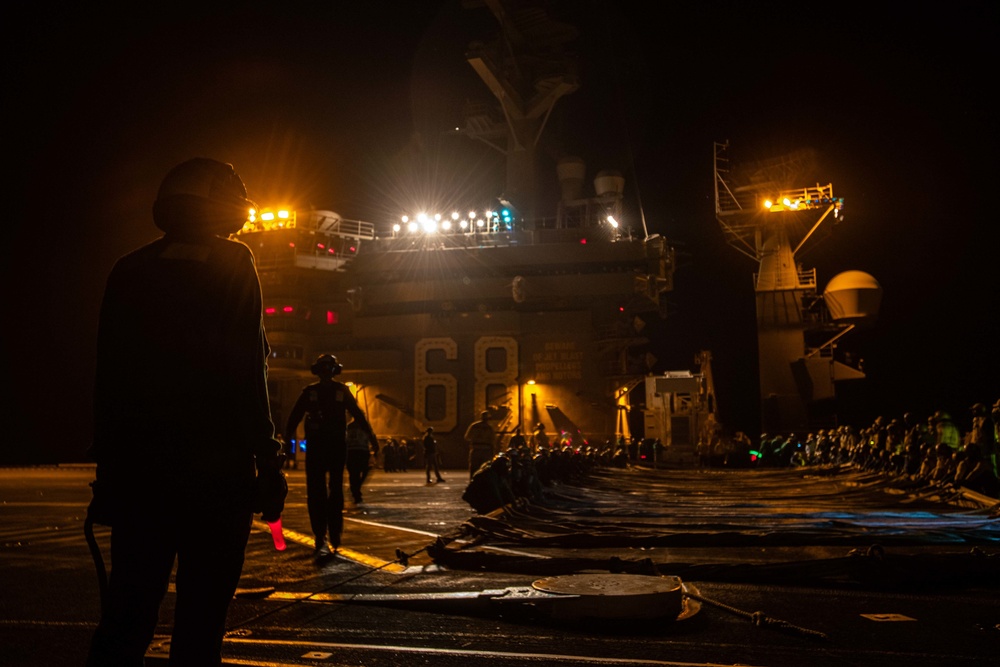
x=389, y=455
x=540, y=441
x=983, y=434
x=431, y=455
x=359, y=455
x=325, y=405
x=946, y=431
x=480, y=437
x=517, y=441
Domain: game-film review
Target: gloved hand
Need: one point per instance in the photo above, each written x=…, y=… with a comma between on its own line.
x=101, y=506
x=271, y=462
x=271, y=490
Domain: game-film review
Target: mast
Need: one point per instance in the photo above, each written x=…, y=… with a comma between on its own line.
x=527, y=70
x=770, y=222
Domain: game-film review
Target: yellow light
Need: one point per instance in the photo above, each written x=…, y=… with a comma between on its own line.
x=472, y=215
x=614, y=223
x=283, y=214
x=531, y=382
x=267, y=216
x=396, y=227
x=446, y=225
x=454, y=215
x=405, y=219
x=768, y=203
x=786, y=201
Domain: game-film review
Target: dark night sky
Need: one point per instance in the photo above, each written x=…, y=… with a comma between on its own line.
x=344, y=107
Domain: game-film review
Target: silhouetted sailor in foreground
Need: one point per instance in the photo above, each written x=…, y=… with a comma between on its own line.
x=183, y=436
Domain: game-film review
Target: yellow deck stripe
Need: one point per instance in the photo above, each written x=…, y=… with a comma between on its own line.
x=349, y=554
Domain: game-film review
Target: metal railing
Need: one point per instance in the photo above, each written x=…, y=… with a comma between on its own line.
x=806, y=279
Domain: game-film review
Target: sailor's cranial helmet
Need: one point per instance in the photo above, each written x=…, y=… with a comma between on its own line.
x=202, y=196
x=326, y=364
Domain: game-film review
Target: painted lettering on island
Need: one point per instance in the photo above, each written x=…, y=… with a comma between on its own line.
x=559, y=360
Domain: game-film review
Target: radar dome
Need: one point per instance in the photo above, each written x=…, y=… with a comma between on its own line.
x=609, y=182
x=853, y=296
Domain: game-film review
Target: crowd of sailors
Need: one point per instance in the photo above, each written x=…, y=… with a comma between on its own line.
x=936, y=450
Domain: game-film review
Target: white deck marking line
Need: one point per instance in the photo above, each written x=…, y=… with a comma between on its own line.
x=389, y=525
x=548, y=657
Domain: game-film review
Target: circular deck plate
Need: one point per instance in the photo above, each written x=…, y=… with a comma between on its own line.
x=622, y=596
x=608, y=584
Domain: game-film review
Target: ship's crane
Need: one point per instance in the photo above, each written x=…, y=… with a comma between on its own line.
x=797, y=327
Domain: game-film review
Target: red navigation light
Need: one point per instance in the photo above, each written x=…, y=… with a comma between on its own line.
x=270, y=311
x=583, y=241
x=320, y=246
x=331, y=317
x=291, y=244
x=287, y=309
x=352, y=249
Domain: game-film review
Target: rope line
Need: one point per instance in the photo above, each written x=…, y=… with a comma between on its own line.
x=759, y=618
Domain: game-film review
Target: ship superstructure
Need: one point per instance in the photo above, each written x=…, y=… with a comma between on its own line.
x=767, y=217
x=537, y=319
